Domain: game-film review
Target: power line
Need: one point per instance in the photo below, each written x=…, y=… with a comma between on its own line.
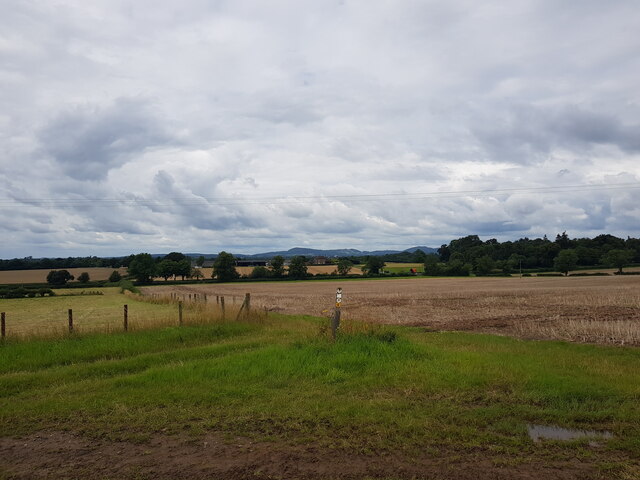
x=289, y=200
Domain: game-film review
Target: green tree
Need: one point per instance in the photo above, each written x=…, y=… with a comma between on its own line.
x=115, y=277
x=298, y=267
x=344, y=266
x=224, y=268
x=432, y=265
x=260, y=272
x=618, y=258
x=143, y=268
x=183, y=268
x=175, y=257
x=565, y=261
x=84, y=277
x=167, y=268
x=373, y=265
x=197, y=274
x=200, y=261
x=59, y=277
x=277, y=266
x=484, y=265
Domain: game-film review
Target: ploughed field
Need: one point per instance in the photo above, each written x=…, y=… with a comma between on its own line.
x=583, y=309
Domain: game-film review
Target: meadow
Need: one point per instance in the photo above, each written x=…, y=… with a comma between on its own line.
x=272, y=396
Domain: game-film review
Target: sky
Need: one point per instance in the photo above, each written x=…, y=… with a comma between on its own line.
x=252, y=126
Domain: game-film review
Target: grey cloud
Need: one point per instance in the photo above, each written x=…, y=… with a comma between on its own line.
x=88, y=141
x=526, y=134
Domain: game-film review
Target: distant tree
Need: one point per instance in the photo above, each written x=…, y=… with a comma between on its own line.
x=143, y=267
x=277, y=266
x=84, y=277
x=175, y=257
x=565, y=261
x=298, y=267
x=197, y=274
x=200, y=261
x=166, y=269
x=418, y=256
x=183, y=268
x=432, y=265
x=373, y=265
x=115, y=277
x=484, y=265
x=59, y=277
x=344, y=266
x=260, y=272
x=224, y=268
x=618, y=258
x=458, y=268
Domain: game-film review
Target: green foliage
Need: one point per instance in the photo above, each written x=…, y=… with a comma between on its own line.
x=618, y=258
x=298, y=267
x=277, y=266
x=373, y=265
x=566, y=261
x=127, y=285
x=115, y=277
x=260, y=272
x=200, y=261
x=344, y=266
x=484, y=265
x=167, y=268
x=58, y=277
x=224, y=268
x=84, y=277
x=143, y=268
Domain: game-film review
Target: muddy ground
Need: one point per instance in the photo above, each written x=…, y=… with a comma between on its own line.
x=63, y=455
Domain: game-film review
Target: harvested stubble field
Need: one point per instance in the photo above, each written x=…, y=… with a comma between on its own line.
x=583, y=309
x=40, y=275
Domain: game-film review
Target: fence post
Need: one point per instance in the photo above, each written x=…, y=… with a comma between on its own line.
x=180, y=313
x=222, y=306
x=247, y=301
x=335, y=320
x=126, y=318
x=70, y=320
x=2, y=325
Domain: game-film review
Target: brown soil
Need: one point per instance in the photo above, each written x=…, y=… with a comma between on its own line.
x=591, y=309
x=61, y=455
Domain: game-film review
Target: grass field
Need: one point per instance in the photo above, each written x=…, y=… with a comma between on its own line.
x=393, y=394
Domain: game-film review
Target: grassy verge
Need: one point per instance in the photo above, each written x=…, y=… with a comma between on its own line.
x=373, y=389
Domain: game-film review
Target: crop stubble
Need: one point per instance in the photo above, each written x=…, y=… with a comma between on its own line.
x=584, y=309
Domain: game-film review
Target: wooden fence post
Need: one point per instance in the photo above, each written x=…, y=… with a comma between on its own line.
x=3, y=325
x=180, y=313
x=246, y=305
x=335, y=320
x=70, y=320
x=126, y=318
x=222, y=306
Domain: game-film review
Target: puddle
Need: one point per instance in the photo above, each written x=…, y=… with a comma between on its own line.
x=538, y=433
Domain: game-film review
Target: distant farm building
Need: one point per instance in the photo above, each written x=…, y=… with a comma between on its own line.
x=252, y=263
x=320, y=261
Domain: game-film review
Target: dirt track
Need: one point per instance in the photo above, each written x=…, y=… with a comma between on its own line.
x=62, y=455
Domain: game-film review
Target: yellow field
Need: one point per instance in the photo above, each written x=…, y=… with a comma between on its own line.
x=589, y=309
x=40, y=276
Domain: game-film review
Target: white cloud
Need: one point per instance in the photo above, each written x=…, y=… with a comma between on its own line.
x=129, y=126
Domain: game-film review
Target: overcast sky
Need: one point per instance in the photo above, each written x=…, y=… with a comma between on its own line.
x=198, y=126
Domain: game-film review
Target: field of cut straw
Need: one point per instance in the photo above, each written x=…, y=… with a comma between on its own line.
x=583, y=309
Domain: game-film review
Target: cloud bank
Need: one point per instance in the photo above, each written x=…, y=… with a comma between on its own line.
x=250, y=126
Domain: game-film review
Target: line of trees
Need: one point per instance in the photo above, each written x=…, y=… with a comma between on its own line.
x=469, y=254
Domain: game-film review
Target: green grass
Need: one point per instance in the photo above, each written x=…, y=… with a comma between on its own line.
x=372, y=389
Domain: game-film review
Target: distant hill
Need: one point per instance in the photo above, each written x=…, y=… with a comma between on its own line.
x=314, y=252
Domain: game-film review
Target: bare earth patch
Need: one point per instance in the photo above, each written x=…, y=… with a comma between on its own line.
x=584, y=309
x=63, y=455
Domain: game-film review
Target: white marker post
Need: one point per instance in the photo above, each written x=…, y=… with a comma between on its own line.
x=335, y=321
